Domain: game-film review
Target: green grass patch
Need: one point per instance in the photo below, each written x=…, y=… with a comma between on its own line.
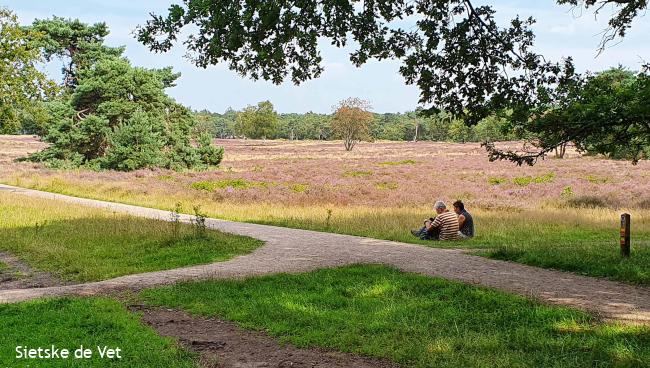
x=299, y=188
x=3, y=266
x=357, y=174
x=411, y=319
x=567, y=192
x=597, y=179
x=165, y=178
x=85, y=244
x=395, y=163
x=526, y=180
x=386, y=185
x=581, y=250
x=212, y=185
x=497, y=181
x=68, y=323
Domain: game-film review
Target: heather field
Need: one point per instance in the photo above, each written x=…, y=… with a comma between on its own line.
x=561, y=213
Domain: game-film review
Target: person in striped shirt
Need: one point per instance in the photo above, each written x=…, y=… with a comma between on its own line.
x=443, y=227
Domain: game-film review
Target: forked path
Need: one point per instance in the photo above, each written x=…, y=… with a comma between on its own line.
x=293, y=250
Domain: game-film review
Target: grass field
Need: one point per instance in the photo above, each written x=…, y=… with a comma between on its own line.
x=414, y=320
x=560, y=213
x=84, y=244
x=71, y=322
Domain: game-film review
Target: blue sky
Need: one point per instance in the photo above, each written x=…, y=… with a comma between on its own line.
x=560, y=32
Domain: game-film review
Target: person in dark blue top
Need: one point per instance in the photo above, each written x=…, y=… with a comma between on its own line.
x=465, y=220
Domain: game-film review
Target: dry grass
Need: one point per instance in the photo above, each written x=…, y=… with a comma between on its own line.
x=526, y=214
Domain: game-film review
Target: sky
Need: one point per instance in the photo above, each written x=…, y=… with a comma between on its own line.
x=560, y=31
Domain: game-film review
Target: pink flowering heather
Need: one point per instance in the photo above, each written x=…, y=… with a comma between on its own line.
x=384, y=174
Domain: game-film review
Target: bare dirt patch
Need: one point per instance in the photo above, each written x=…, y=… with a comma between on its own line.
x=223, y=344
x=18, y=275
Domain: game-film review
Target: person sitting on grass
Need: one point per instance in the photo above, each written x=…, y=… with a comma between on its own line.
x=465, y=220
x=443, y=227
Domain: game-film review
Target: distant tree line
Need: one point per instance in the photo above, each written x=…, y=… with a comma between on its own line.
x=262, y=122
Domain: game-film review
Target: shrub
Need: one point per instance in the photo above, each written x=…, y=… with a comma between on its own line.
x=134, y=145
x=210, y=155
x=586, y=202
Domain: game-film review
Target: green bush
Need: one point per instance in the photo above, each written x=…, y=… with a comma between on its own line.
x=135, y=145
x=114, y=115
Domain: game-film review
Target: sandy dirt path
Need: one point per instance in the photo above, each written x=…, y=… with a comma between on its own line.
x=293, y=250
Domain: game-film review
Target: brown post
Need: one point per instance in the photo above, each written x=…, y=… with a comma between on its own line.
x=625, y=235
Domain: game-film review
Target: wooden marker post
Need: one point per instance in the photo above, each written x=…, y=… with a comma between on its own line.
x=625, y=235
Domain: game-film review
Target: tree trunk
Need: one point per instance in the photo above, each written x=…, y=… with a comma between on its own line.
x=560, y=150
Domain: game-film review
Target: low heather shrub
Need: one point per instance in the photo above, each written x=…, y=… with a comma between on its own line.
x=586, y=201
